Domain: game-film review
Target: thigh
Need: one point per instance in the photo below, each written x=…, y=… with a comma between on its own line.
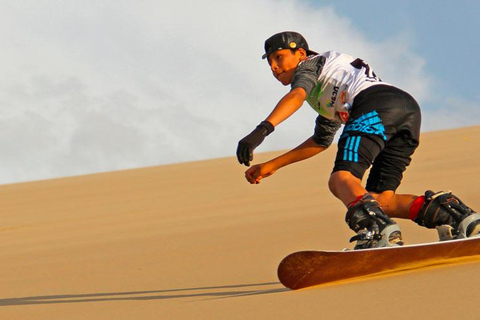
x=388, y=167
x=356, y=153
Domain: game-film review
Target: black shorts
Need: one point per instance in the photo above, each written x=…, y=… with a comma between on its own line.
x=383, y=131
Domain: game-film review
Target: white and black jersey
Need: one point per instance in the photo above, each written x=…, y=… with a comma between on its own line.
x=332, y=80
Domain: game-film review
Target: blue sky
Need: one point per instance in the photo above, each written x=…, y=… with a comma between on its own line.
x=106, y=85
x=444, y=33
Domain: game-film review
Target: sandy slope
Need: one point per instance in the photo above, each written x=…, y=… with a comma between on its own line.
x=195, y=241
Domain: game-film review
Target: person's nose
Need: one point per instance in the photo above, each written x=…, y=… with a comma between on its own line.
x=274, y=66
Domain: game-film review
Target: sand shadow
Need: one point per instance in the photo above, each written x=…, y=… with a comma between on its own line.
x=204, y=293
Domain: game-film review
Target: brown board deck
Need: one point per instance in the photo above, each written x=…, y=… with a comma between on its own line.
x=309, y=268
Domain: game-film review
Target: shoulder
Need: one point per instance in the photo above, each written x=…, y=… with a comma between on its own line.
x=313, y=62
x=317, y=62
x=307, y=72
x=311, y=66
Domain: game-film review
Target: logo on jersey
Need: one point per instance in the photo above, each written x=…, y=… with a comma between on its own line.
x=369, y=123
x=333, y=98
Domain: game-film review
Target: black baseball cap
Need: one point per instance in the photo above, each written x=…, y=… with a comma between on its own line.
x=286, y=40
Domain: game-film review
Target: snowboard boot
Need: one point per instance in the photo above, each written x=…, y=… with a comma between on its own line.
x=449, y=215
x=373, y=227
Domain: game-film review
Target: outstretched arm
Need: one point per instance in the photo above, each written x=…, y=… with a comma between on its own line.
x=287, y=106
x=304, y=151
x=290, y=103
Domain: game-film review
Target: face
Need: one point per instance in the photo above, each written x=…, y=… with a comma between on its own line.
x=284, y=62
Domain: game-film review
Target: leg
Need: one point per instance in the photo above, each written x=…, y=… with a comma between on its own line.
x=395, y=205
x=346, y=187
x=441, y=210
x=383, y=130
x=365, y=216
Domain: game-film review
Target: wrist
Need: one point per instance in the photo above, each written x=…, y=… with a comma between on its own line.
x=267, y=126
x=277, y=163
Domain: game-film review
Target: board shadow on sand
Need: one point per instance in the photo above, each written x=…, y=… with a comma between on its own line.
x=169, y=294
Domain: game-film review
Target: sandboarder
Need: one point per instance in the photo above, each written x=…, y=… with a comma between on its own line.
x=381, y=129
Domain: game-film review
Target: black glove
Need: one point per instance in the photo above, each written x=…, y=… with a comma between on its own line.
x=254, y=139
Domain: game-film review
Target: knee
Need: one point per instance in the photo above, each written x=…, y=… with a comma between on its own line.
x=338, y=181
x=345, y=186
x=332, y=183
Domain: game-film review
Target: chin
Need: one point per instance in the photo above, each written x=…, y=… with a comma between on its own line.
x=283, y=81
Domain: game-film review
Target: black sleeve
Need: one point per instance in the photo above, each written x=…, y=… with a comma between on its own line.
x=325, y=130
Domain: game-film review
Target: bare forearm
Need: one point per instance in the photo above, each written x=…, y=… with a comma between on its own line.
x=304, y=151
x=287, y=106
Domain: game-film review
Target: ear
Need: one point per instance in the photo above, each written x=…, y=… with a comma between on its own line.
x=302, y=53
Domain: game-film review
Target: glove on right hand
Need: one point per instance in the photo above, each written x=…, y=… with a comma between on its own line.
x=250, y=142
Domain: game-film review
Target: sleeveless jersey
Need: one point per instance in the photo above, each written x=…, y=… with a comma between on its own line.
x=332, y=80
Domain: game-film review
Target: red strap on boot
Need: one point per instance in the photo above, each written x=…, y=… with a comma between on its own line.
x=415, y=208
x=354, y=202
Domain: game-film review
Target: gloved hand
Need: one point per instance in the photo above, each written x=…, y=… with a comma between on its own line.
x=254, y=139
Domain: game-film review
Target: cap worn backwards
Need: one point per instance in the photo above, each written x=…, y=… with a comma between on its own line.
x=286, y=40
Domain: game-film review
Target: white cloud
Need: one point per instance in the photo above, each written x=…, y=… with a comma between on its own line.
x=103, y=85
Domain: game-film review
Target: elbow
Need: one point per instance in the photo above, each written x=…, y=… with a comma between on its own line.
x=322, y=142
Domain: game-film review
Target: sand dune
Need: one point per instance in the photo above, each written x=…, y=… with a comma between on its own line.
x=196, y=241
